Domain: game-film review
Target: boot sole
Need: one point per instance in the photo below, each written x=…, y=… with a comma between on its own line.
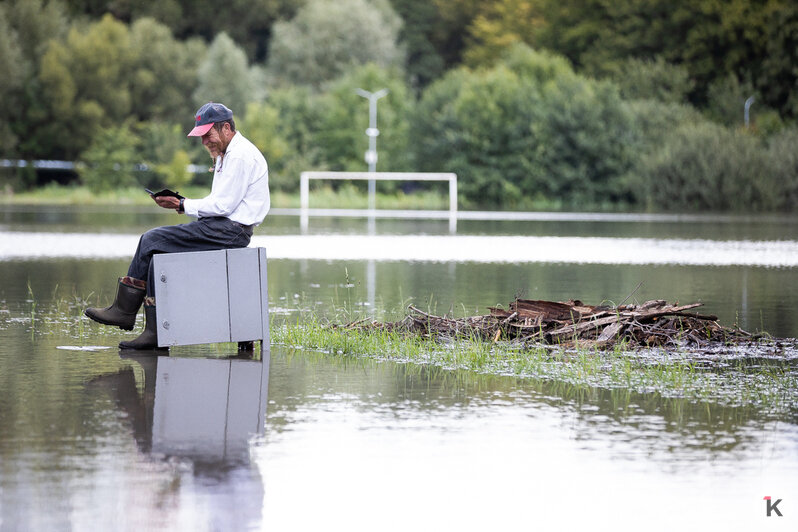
x=133, y=348
x=104, y=322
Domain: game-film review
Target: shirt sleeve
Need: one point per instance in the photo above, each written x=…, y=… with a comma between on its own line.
x=228, y=193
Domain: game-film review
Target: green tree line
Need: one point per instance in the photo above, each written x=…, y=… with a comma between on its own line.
x=533, y=103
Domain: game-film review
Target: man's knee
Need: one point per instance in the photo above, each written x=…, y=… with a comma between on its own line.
x=158, y=234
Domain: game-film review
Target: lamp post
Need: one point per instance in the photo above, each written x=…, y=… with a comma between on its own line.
x=747, y=106
x=372, y=132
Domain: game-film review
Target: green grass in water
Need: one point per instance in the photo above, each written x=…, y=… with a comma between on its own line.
x=767, y=382
x=346, y=197
x=670, y=374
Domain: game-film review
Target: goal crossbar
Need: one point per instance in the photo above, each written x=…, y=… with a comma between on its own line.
x=305, y=177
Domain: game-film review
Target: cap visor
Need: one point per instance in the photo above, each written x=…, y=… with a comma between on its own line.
x=200, y=130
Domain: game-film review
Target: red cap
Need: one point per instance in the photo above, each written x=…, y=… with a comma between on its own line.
x=200, y=130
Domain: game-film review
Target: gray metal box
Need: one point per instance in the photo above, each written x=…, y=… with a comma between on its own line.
x=206, y=297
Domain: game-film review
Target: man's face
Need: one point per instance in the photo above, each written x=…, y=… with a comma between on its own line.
x=216, y=142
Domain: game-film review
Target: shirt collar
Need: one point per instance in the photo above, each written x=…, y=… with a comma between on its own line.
x=233, y=142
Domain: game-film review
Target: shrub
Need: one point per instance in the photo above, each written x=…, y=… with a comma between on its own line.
x=783, y=157
x=705, y=166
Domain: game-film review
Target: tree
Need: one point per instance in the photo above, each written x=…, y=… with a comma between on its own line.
x=285, y=128
x=247, y=22
x=345, y=117
x=262, y=125
x=110, y=160
x=653, y=79
x=328, y=38
x=36, y=22
x=26, y=26
x=498, y=26
x=449, y=35
x=525, y=131
x=752, y=40
x=85, y=82
x=166, y=151
x=726, y=100
x=14, y=66
x=777, y=77
x=424, y=62
x=224, y=76
x=163, y=73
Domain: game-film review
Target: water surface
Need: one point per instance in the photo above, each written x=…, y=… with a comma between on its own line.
x=92, y=438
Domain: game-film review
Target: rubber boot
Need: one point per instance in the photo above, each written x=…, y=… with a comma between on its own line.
x=149, y=338
x=123, y=310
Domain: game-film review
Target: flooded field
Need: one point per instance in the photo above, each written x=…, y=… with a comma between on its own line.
x=92, y=438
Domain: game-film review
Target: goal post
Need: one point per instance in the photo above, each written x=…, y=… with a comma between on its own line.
x=305, y=177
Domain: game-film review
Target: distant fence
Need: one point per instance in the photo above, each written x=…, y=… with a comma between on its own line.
x=304, y=189
x=69, y=165
x=49, y=165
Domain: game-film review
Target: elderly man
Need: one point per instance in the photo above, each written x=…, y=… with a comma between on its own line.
x=239, y=200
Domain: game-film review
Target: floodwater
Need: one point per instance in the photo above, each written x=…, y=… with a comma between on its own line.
x=92, y=438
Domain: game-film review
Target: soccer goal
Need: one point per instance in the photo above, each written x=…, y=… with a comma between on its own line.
x=371, y=212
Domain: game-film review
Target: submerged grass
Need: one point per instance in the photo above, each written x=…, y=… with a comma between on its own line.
x=763, y=378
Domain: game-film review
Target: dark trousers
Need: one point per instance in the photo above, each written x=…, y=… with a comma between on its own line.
x=205, y=234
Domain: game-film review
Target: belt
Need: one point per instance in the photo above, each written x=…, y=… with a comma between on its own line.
x=248, y=229
x=242, y=226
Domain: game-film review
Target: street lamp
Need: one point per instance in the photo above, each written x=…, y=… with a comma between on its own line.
x=372, y=132
x=747, y=106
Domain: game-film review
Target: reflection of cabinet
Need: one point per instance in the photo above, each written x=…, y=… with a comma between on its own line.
x=211, y=296
x=209, y=408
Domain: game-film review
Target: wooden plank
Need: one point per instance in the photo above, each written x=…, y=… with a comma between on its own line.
x=551, y=310
x=580, y=327
x=665, y=311
x=609, y=333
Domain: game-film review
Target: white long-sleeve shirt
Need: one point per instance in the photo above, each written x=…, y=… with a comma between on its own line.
x=240, y=189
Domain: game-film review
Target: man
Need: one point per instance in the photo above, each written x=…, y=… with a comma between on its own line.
x=239, y=200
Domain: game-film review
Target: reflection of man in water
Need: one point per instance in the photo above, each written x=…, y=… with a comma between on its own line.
x=239, y=200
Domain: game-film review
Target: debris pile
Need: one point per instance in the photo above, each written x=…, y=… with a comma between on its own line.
x=536, y=322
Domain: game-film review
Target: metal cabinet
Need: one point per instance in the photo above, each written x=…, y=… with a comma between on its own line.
x=211, y=296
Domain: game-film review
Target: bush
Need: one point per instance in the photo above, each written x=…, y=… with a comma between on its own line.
x=586, y=143
x=705, y=166
x=783, y=158
x=478, y=125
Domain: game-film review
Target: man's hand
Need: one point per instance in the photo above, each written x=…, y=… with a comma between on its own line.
x=167, y=202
